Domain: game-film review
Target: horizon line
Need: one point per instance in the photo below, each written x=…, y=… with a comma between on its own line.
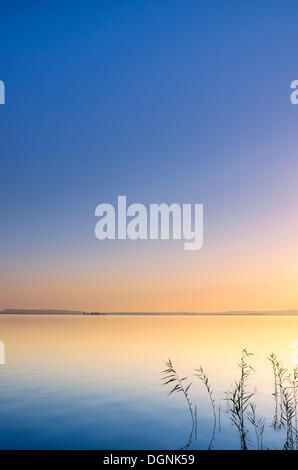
x=12, y=311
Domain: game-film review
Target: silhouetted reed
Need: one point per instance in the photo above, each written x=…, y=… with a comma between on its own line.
x=238, y=399
x=241, y=410
x=276, y=419
x=219, y=420
x=258, y=424
x=204, y=378
x=170, y=376
x=295, y=387
x=286, y=402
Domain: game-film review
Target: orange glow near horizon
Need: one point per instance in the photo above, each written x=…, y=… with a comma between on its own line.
x=109, y=343
x=241, y=268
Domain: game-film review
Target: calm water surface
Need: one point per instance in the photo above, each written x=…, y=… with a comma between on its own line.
x=74, y=382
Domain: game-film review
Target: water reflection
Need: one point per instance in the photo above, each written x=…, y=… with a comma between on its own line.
x=241, y=409
x=94, y=382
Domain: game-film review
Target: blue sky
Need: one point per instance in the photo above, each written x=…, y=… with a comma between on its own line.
x=161, y=101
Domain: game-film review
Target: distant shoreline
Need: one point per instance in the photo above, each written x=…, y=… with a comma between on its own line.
x=169, y=314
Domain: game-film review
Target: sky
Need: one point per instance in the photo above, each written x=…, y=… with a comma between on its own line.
x=169, y=101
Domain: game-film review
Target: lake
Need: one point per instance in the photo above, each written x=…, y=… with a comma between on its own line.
x=94, y=382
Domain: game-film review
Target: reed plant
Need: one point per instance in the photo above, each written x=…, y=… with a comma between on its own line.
x=241, y=410
x=170, y=376
x=238, y=399
x=258, y=424
x=285, y=393
x=200, y=374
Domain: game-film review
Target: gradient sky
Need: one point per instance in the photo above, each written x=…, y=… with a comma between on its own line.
x=164, y=101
